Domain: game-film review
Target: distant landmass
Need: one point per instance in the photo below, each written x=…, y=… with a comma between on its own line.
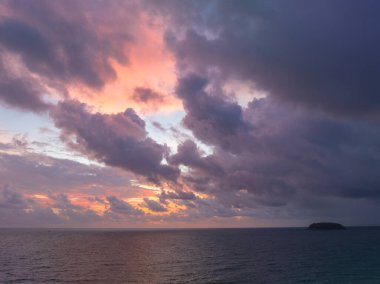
x=326, y=226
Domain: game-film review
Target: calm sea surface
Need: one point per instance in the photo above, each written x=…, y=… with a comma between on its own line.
x=190, y=256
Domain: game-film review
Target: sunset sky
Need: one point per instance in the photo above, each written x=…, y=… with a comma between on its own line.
x=189, y=113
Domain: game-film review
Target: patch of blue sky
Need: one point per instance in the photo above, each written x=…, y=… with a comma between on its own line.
x=166, y=135
x=39, y=131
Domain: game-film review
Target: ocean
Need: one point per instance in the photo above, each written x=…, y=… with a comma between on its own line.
x=291, y=255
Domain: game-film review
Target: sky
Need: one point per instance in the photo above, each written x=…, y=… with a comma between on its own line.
x=136, y=114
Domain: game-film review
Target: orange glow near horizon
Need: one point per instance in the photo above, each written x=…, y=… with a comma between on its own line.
x=100, y=208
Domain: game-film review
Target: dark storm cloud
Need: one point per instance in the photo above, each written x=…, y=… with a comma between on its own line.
x=115, y=139
x=212, y=117
x=276, y=152
x=292, y=152
x=323, y=55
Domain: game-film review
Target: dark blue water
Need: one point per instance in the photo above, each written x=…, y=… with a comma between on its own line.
x=190, y=256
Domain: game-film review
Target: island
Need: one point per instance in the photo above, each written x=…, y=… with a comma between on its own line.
x=326, y=226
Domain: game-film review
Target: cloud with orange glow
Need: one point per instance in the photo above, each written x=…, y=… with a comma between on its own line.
x=188, y=113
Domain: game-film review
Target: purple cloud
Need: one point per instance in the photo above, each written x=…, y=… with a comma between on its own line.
x=213, y=118
x=119, y=206
x=115, y=139
x=316, y=54
x=292, y=153
x=61, y=44
x=154, y=205
x=146, y=95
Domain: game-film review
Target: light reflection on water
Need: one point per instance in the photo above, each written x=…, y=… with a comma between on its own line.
x=190, y=256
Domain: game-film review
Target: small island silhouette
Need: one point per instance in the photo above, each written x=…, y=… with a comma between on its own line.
x=326, y=226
